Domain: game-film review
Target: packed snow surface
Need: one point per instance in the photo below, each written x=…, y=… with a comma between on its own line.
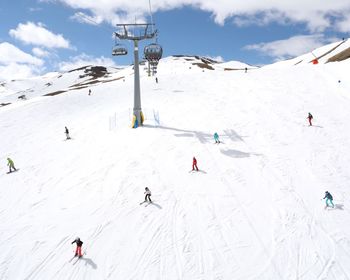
x=253, y=211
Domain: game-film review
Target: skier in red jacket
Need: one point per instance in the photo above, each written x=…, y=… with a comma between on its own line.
x=194, y=164
x=310, y=117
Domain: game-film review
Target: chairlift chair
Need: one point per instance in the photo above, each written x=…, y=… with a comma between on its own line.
x=119, y=49
x=153, y=52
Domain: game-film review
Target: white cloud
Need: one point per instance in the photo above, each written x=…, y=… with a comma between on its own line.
x=344, y=24
x=316, y=14
x=37, y=34
x=15, y=63
x=40, y=52
x=216, y=58
x=15, y=71
x=83, y=60
x=291, y=47
x=11, y=54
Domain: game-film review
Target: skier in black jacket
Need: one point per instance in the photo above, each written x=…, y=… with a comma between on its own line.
x=79, y=244
x=66, y=131
x=310, y=117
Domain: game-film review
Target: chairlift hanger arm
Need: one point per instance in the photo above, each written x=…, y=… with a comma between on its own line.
x=135, y=38
x=126, y=36
x=134, y=24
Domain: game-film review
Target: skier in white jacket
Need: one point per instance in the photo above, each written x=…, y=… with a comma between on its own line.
x=148, y=194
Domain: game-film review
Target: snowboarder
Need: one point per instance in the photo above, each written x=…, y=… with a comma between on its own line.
x=67, y=133
x=216, y=138
x=329, y=199
x=78, y=249
x=11, y=165
x=148, y=194
x=194, y=164
x=310, y=117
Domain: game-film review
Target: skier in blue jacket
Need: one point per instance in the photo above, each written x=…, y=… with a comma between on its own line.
x=216, y=138
x=329, y=199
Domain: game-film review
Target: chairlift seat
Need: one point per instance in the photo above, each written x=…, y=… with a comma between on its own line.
x=153, y=52
x=119, y=51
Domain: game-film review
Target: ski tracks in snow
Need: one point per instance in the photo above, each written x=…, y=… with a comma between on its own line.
x=47, y=261
x=311, y=248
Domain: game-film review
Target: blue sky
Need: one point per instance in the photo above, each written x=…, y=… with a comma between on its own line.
x=38, y=36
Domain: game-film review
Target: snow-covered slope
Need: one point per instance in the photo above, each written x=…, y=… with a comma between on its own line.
x=324, y=54
x=254, y=211
x=56, y=83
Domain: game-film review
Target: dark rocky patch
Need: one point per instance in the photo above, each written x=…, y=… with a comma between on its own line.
x=345, y=54
x=55, y=93
x=203, y=66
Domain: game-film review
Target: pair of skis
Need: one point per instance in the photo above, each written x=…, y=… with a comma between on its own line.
x=12, y=171
x=148, y=203
x=78, y=258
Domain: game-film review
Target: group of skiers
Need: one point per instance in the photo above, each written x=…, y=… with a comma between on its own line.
x=194, y=160
x=79, y=243
x=328, y=196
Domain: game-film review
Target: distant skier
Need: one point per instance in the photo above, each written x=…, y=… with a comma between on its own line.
x=66, y=131
x=216, y=138
x=89, y=91
x=329, y=199
x=310, y=117
x=194, y=164
x=78, y=249
x=245, y=70
x=148, y=194
x=11, y=165
x=157, y=80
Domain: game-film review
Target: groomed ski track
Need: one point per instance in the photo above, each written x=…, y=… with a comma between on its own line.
x=255, y=211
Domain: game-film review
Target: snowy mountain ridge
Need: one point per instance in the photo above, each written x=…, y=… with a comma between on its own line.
x=86, y=76
x=334, y=52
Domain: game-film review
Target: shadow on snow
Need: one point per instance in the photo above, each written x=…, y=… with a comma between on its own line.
x=203, y=137
x=237, y=154
x=336, y=207
x=156, y=205
x=89, y=262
